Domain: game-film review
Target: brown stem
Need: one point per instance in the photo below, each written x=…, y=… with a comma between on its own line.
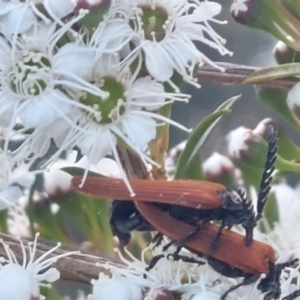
x=76, y=267
x=236, y=74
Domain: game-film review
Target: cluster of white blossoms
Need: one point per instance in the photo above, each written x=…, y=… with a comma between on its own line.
x=93, y=75
x=170, y=279
x=23, y=280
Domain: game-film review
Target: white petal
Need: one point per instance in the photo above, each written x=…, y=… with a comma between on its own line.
x=22, y=176
x=40, y=111
x=75, y=59
x=11, y=194
x=206, y=11
x=61, y=8
x=96, y=145
x=6, y=110
x=116, y=288
x=146, y=85
x=10, y=20
x=140, y=129
x=15, y=283
x=157, y=62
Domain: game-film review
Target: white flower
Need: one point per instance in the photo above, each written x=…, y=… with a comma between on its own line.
x=166, y=277
x=33, y=70
x=189, y=280
x=238, y=6
x=166, y=30
x=18, y=16
x=120, y=288
x=22, y=281
x=126, y=113
x=11, y=180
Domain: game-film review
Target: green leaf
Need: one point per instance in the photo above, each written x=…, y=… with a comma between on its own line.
x=288, y=166
x=251, y=174
x=287, y=149
x=189, y=163
x=276, y=72
x=3, y=220
x=271, y=213
x=91, y=218
x=48, y=224
x=275, y=99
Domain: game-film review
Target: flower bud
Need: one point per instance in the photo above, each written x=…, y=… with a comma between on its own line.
x=263, y=127
x=248, y=145
x=270, y=16
x=293, y=99
x=219, y=168
x=243, y=11
x=285, y=54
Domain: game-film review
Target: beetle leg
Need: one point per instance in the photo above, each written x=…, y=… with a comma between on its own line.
x=246, y=281
x=176, y=256
x=189, y=236
x=215, y=242
x=292, y=296
x=157, y=239
x=154, y=260
x=167, y=246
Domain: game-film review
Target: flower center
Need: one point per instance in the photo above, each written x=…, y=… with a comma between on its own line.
x=111, y=107
x=30, y=75
x=154, y=19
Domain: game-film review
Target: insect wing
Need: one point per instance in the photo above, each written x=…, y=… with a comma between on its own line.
x=231, y=247
x=188, y=193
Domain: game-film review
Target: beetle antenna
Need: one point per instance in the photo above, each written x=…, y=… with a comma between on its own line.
x=266, y=180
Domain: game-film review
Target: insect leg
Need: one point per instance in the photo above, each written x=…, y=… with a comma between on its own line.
x=156, y=240
x=292, y=296
x=154, y=260
x=215, y=242
x=176, y=256
x=246, y=281
x=183, y=240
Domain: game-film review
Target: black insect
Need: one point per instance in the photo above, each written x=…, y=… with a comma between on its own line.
x=236, y=208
